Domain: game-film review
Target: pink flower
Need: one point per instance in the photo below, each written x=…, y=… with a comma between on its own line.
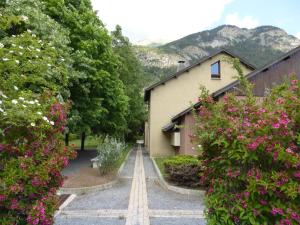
x=263, y=202
x=240, y=137
x=276, y=211
x=2, y=198
x=276, y=125
x=253, y=145
x=297, y=174
x=280, y=101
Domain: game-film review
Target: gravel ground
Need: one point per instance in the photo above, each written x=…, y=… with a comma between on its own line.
x=129, y=165
x=159, y=198
x=149, y=167
x=89, y=221
x=118, y=198
x=176, y=221
x=115, y=198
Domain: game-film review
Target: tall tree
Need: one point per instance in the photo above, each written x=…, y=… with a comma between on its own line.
x=132, y=76
x=99, y=102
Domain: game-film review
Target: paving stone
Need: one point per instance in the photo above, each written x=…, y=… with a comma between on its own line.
x=159, y=198
x=115, y=198
x=89, y=221
x=176, y=221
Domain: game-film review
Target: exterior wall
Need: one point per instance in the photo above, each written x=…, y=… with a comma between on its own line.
x=178, y=94
x=276, y=74
x=186, y=130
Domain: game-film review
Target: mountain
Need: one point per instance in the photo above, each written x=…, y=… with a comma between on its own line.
x=258, y=46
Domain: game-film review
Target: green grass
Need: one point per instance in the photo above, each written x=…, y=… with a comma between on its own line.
x=160, y=163
x=90, y=142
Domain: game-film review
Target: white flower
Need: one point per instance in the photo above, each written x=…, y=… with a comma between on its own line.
x=49, y=65
x=31, y=102
x=51, y=122
x=21, y=47
x=13, y=35
x=1, y=110
x=17, y=61
x=53, y=47
x=39, y=113
x=45, y=118
x=40, y=41
x=38, y=50
x=24, y=18
x=36, y=101
x=21, y=53
x=13, y=45
x=32, y=124
x=1, y=45
x=38, y=104
x=16, y=88
x=29, y=31
x=5, y=59
x=62, y=59
x=11, y=51
x=3, y=95
x=14, y=101
x=21, y=98
x=24, y=106
x=0, y=102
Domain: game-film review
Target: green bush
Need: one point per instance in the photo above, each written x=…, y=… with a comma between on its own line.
x=183, y=170
x=110, y=150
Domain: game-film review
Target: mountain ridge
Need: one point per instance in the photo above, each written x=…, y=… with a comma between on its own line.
x=258, y=46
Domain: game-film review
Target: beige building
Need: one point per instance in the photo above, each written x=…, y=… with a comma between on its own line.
x=169, y=99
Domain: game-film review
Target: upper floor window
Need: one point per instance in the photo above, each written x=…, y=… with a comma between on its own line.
x=215, y=70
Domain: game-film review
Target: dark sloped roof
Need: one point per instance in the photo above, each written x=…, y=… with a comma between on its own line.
x=180, y=72
x=230, y=86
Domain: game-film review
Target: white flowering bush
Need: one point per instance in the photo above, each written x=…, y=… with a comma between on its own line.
x=110, y=151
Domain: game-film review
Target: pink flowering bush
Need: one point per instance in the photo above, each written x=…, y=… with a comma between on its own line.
x=31, y=156
x=251, y=153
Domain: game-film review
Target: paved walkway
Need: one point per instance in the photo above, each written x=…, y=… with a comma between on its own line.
x=137, y=199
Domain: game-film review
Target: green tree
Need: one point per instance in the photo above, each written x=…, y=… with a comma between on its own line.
x=132, y=76
x=99, y=102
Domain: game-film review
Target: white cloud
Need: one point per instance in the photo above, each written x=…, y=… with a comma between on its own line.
x=298, y=35
x=159, y=19
x=245, y=22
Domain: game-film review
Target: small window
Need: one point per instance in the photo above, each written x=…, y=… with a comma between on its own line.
x=215, y=70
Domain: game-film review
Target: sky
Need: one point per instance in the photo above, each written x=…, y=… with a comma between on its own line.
x=145, y=21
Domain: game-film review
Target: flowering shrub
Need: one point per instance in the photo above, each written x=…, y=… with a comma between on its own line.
x=252, y=157
x=31, y=156
x=109, y=153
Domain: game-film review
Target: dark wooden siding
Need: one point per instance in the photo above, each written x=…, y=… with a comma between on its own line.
x=276, y=74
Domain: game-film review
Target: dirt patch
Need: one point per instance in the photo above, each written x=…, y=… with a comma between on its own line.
x=87, y=177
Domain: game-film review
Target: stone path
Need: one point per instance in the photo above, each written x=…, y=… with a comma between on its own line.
x=137, y=199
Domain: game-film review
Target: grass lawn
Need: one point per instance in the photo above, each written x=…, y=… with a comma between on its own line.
x=160, y=163
x=90, y=142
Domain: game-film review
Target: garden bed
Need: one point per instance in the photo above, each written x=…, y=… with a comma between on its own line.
x=87, y=177
x=160, y=165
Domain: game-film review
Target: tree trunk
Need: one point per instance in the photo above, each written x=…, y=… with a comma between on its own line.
x=67, y=139
x=82, y=141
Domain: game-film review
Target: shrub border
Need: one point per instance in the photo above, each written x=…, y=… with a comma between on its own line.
x=84, y=190
x=180, y=190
